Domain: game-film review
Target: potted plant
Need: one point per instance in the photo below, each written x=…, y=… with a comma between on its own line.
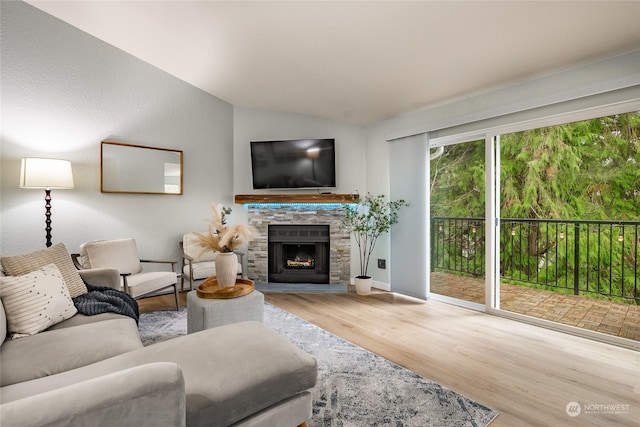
x=372, y=217
x=225, y=239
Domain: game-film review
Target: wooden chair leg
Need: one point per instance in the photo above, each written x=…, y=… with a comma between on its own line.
x=175, y=288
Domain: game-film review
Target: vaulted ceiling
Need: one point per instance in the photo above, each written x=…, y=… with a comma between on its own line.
x=356, y=61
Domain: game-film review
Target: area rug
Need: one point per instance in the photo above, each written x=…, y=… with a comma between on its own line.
x=355, y=388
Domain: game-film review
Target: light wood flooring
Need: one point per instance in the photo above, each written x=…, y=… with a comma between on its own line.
x=526, y=373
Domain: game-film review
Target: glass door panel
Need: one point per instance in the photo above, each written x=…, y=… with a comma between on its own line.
x=570, y=221
x=457, y=197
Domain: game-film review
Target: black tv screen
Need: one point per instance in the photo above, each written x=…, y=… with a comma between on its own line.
x=299, y=163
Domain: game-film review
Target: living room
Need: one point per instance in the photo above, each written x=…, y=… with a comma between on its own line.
x=64, y=91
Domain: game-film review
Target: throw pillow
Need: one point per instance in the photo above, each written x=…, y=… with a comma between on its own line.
x=35, y=301
x=57, y=254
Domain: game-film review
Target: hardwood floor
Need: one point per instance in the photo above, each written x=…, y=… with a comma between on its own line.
x=527, y=373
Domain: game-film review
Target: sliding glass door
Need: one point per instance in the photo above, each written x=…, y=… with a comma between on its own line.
x=541, y=224
x=457, y=223
x=570, y=215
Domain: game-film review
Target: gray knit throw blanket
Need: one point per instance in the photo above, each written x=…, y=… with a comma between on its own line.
x=102, y=299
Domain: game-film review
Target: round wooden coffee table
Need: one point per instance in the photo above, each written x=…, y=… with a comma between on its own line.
x=210, y=289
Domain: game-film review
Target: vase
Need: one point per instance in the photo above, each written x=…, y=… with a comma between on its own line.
x=363, y=284
x=226, y=269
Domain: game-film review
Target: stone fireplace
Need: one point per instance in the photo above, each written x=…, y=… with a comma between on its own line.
x=337, y=243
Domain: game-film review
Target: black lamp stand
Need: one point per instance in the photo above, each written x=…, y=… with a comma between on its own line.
x=47, y=214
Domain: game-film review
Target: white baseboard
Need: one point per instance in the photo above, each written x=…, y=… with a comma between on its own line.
x=381, y=285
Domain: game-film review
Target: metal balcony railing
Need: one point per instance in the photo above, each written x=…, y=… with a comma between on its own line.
x=580, y=256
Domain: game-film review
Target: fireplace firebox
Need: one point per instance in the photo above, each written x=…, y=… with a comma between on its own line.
x=298, y=254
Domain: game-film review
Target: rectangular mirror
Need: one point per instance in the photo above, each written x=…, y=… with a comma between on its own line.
x=127, y=168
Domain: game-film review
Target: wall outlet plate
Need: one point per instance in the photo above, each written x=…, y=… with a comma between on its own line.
x=382, y=263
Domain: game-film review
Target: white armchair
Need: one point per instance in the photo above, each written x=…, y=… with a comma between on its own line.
x=198, y=262
x=122, y=254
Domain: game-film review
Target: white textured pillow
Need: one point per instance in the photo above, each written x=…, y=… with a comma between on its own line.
x=35, y=301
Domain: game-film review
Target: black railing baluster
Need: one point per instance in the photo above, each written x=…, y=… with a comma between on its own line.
x=566, y=257
x=555, y=263
x=432, y=247
x=588, y=267
x=611, y=259
x=621, y=235
x=576, y=259
x=599, y=253
x=635, y=263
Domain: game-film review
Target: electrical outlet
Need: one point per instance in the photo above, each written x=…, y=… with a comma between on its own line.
x=382, y=263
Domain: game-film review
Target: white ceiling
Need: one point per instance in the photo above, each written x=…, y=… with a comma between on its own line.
x=360, y=61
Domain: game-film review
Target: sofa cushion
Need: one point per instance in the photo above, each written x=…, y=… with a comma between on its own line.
x=82, y=319
x=230, y=372
x=201, y=270
x=144, y=283
x=57, y=254
x=35, y=301
x=54, y=351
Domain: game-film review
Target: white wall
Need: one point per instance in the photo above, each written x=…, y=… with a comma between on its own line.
x=258, y=125
x=64, y=91
x=255, y=125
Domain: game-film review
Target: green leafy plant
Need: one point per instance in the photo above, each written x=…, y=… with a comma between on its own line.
x=369, y=219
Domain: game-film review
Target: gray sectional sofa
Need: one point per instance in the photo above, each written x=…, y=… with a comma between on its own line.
x=94, y=371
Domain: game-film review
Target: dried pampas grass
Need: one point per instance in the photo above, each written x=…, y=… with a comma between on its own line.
x=223, y=238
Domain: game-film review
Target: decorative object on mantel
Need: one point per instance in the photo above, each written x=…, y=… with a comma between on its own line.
x=210, y=289
x=242, y=199
x=224, y=240
x=372, y=217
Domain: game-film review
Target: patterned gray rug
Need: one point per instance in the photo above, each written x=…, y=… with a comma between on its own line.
x=356, y=388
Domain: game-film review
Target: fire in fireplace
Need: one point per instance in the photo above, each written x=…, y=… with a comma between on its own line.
x=298, y=254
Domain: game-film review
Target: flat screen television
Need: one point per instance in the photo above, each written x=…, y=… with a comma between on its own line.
x=298, y=163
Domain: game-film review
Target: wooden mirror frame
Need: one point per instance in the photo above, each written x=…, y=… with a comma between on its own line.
x=137, y=169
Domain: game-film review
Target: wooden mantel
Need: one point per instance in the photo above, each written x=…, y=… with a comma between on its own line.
x=242, y=199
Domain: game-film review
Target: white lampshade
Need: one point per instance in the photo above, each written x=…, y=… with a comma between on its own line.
x=46, y=173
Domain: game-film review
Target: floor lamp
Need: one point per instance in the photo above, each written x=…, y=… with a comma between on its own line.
x=47, y=174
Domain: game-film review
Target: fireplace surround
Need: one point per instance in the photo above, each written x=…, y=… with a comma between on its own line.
x=298, y=253
x=262, y=215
